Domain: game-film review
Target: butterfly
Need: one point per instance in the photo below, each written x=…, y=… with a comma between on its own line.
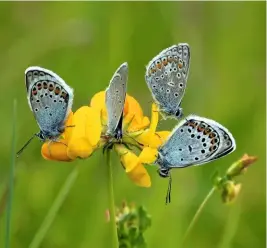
x=166, y=77
x=194, y=141
x=50, y=99
x=115, y=100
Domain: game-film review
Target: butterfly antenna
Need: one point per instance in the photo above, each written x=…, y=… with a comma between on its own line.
x=27, y=143
x=168, y=196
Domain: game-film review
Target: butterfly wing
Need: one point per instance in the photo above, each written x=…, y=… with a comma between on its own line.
x=50, y=99
x=166, y=77
x=192, y=142
x=115, y=99
x=227, y=144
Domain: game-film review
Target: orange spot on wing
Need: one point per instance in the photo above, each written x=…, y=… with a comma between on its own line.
x=63, y=94
x=51, y=87
x=212, y=141
x=192, y=124
x=211, y=135
x=200, y=128
x=165, y=62
x=57, y=90
x=159, y=65
x=207, y=131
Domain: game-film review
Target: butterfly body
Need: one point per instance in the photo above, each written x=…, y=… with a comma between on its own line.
x=115, y=100
x=194, y=141
x=166, y=77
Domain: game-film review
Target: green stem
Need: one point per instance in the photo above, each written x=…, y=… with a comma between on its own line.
x=9, y=193
x=198, y=212
x=113, y=225
x=40, y=234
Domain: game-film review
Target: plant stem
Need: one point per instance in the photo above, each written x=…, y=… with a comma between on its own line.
x=41, y=232
x=11, y=177
x=113, y=225
x=198, y=212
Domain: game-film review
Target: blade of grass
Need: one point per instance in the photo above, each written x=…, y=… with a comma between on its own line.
x=198, y=212
x=231, y=227
x=11, y=177
x=65, y=189
x=113, y=226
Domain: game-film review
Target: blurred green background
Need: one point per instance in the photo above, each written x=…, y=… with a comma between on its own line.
x=84, y=43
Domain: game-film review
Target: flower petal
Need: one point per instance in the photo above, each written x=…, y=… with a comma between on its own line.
x=153, y=140
x=68, y=127
x=55, y=151
x=98, y=103
x=58, y=150
x=154, y=117
x=148, y=155
x=134, y=116
x=86, y=132
x=140, y=176
x=128, y=159
x=133, y=167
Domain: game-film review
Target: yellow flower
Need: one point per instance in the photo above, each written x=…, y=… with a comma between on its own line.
x=133, y=164
x=133, y=118
x=86, y=128
x=80, y=138
x=136, y=133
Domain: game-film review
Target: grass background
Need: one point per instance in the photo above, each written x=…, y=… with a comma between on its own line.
x=84, y=43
